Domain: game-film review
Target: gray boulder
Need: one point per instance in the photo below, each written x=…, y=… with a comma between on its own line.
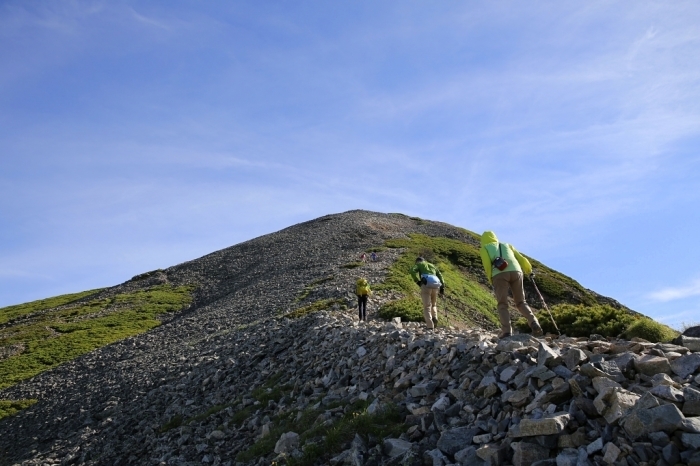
x=692, y=332
x=686, y=365
x=666, y=418
x=453, y=440
x=287, y=443
x=691, y=406
x=651, y=365
x=525, y=453
x=546, y=426
x=394, y=447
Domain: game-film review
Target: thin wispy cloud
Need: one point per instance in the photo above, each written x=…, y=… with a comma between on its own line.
x=148, y=21
x=675, y=293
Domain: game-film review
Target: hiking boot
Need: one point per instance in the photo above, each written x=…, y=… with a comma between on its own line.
x=536, y=330
x=503, y=335
x=435, y=322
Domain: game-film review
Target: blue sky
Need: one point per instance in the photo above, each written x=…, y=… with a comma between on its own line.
x=138, y=135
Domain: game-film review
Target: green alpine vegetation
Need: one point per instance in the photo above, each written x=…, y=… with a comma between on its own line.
x=8, y=408
x=581, y=320
x=57, y=330
x=322, y=440
x=10, y=313
x=466, y=299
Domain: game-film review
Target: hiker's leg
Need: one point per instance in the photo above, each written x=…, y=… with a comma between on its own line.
x=433, y=304
x=364, y=307
x=516, y=285
x=500, y=288
x=425, y=297
x=359, y=306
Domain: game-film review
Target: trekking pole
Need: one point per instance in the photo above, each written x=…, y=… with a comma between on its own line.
x=532, y=278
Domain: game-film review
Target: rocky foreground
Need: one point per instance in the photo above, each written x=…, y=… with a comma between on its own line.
x=464, y=397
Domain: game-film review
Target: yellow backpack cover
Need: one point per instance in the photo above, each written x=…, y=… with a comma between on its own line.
x=362, y=288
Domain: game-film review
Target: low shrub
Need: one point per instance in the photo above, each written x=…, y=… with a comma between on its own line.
x=409, y=309
x=650, y=330
x=9, y=407
x=580, y=320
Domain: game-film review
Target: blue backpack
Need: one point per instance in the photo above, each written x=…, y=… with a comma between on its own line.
x=430, y=281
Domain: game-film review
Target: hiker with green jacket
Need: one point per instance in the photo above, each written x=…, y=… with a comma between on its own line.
x=429, y=278
x=362, y=291
x=504, y=276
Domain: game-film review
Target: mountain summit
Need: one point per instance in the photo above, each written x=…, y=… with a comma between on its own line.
x=254, y=355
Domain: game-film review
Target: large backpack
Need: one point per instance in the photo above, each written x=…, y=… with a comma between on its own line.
x=362, y=288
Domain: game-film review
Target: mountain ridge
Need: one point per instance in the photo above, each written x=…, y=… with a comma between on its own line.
x=239, y=294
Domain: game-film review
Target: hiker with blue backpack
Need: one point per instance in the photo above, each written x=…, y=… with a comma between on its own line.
x=504, y=267
x=429, y=278
x=362, y=291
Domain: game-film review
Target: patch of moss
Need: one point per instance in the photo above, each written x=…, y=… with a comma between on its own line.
x=55, y=336
x=10, y=408
x=173, y=423
x=311, y=286
x=356, y=420
x=316, y=306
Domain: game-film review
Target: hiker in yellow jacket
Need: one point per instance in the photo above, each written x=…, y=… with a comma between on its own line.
x=362, y=291
x=504, y=276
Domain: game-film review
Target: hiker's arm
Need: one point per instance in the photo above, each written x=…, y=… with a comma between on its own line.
x=439, y=275
x=486, y=262
x=414, y=273
x=522, y=260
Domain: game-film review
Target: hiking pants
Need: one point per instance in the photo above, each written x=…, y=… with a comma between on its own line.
x=429, y=297
x=362, y=305
x=513, y=281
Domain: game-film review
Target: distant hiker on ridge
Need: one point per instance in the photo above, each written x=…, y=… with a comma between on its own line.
x=362, y=291
x=504, y=267
x=429, y=278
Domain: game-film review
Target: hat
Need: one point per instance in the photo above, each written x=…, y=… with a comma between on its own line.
x=419, y=259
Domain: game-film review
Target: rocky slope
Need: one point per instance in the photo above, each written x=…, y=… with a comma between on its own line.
x=233, y=372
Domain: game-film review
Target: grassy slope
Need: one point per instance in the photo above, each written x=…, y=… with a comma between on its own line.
x=465, y=297
x=13, y=312
x=469, y=300
x=56, y=330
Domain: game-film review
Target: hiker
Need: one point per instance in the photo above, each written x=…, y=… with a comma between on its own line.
x=363, y=257
x=362, y=291
x=374, y=256
x=504, y=267
x=429, y=278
